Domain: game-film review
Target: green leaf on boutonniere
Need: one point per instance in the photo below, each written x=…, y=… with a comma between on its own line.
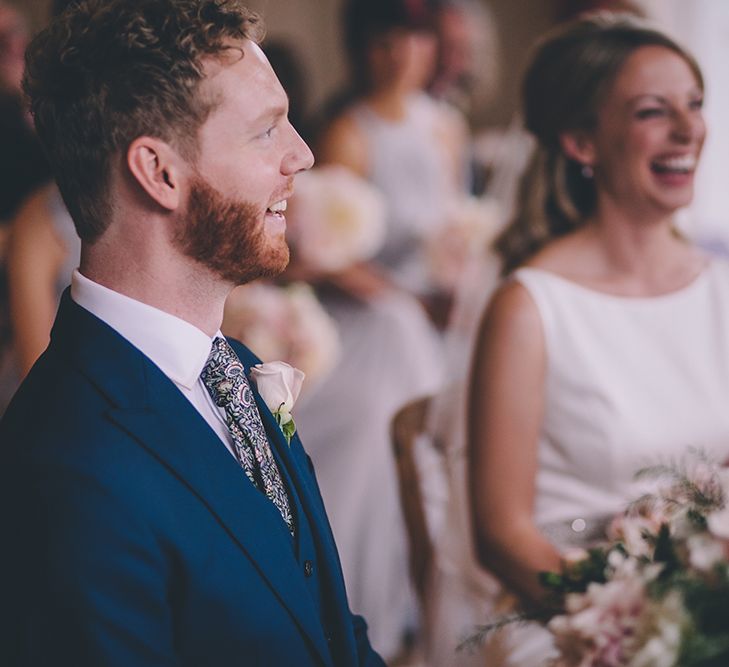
x=288, y=428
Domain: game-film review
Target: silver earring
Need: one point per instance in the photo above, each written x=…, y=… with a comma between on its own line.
x=587, y=171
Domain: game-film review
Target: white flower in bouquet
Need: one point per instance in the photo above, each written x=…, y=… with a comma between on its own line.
x=472, y=223
x=335, y=218
x=704, y=552
x=284, y=323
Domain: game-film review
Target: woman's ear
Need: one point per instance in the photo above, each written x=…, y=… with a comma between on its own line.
x=577, y=145
x=157, y=168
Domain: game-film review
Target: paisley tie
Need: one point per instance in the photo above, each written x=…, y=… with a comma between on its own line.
x=226, y=381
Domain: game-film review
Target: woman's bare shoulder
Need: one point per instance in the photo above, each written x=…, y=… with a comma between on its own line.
x=511, y=312
x=342, y=142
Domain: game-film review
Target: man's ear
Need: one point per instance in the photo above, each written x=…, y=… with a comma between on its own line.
x=578, y=146
x=158, y=169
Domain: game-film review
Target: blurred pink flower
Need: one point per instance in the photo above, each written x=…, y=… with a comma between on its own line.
x=335, y=219
x=284, y=323
x=599, y=627
x=472, y=224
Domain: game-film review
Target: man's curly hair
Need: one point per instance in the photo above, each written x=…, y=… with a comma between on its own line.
x=108, y=71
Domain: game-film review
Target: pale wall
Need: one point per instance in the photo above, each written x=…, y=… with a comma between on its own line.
x=312, y=26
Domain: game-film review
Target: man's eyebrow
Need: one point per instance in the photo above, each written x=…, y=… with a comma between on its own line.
x=274, y=113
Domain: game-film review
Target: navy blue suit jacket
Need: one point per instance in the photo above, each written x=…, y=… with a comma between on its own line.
x=131, y=536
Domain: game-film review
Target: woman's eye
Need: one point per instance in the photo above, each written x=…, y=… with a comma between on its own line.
x=650, y=112
x=696, y=105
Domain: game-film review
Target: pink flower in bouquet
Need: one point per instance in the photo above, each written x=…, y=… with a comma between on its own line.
x=660, y=633
x=472, y=224
x=599, y=627
x=283, y=323
x=335, y=219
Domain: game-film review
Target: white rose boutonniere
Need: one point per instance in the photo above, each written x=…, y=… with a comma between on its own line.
x=279, y=385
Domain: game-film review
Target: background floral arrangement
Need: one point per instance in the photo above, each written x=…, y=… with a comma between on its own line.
x=284, y=323
x=471, y=226
x=657, y=594
x=335, y=219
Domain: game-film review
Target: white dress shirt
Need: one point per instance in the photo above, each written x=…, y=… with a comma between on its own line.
x=178, y=348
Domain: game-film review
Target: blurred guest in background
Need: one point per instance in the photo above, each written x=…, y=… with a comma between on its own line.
x=393, y=134
x=22, y=164
x=13, y=40
x=23, y=168
x=42, y=250
x=467, y=67
x=604, y=350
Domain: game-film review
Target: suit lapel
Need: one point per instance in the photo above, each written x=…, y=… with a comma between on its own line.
x=150, y=408
x=295, y=459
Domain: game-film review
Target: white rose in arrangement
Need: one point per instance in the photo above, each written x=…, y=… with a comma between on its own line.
x=335, y=218
x=279, y=385
x=471, y=226
x=705, y=552
x=286, y=323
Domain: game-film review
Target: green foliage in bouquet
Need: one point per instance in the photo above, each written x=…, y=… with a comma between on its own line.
x=576, y=577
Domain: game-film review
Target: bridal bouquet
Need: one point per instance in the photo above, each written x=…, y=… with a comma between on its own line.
x=656, y=594
x=283, y=323
x=335, y=219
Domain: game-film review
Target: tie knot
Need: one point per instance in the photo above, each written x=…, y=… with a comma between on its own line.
x=223, y=374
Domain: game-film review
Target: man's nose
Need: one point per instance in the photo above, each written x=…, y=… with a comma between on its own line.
x=299, y=157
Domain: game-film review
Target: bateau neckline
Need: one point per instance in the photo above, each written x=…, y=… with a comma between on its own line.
x=695, y=282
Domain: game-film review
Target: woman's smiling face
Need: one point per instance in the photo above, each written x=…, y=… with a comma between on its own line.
x=649, y=134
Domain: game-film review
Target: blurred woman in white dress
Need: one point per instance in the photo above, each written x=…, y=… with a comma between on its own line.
x=395, y=135
x=605, y=348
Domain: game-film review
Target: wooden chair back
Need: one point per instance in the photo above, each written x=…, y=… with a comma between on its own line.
x=407, y=424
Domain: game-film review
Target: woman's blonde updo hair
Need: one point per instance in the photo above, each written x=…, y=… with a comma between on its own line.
x=571, y=71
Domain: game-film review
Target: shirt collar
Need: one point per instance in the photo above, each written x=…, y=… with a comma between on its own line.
x=178, y=348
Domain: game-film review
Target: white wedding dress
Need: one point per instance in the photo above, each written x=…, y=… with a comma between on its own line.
x=630, y=382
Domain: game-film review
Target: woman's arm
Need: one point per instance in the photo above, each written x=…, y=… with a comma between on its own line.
x=505, y=414
x=35, y=257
